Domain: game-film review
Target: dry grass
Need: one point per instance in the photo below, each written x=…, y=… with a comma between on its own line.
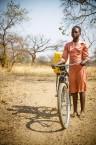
x=92, y=71
x=35, y=70
x=42, y=70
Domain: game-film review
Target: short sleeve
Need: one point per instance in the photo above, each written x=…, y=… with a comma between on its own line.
x=85, y=52
x=65, y=53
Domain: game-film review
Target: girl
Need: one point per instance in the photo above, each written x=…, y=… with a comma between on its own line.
x=77, y=52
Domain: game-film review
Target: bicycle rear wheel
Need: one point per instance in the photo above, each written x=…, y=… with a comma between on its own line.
x=63, y=105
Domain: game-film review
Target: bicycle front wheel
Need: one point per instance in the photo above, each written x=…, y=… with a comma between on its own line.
x=63, y=105
x=57, y=83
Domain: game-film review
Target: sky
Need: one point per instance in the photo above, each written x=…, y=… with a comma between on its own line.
x=45, y=18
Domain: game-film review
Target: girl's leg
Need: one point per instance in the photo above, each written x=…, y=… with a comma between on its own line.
x=75, y=98
x=82, y=101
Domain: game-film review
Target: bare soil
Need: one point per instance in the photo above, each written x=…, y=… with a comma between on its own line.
x=28, y=113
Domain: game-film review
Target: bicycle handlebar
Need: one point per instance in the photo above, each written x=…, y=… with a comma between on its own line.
x=66, y=65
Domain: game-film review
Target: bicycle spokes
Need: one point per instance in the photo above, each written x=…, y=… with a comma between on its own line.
x=63, y=105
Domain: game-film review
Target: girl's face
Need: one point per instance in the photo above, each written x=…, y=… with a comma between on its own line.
x=75, y=33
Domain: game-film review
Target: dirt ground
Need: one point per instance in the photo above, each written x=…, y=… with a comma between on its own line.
x=28, y=113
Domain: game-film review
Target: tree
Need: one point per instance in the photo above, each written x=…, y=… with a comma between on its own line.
x=14, y=49
x=13, y=15
x=91, y=41
x=20, y=49
x=79, y=11
x=38, y=44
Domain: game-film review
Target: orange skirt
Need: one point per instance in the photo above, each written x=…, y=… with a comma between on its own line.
x=77, y=78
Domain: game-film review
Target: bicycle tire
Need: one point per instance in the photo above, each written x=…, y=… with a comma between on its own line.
x=63, y=105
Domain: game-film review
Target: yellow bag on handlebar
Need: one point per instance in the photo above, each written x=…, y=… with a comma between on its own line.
x=57, y=58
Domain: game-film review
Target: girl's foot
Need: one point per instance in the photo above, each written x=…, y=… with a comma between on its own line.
x=74, y=114
x=82, y=114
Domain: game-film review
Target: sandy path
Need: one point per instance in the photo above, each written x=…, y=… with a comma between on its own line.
x=28, y=114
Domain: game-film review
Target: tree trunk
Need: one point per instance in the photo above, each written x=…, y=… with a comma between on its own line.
x=33, y=58
x=3, y=60
x=10, y=66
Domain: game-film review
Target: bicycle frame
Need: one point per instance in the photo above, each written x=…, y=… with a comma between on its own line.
x=63, y=74
x=62, y=77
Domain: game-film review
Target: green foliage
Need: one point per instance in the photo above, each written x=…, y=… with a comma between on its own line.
x=62, y=30
x=23, y=58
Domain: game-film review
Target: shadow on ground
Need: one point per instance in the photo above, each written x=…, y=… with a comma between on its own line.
x=42, y=119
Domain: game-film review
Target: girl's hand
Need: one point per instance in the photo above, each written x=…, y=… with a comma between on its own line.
x=84, y=62
x=53, y=66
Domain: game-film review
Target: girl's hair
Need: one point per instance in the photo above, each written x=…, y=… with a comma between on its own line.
x=77, y=27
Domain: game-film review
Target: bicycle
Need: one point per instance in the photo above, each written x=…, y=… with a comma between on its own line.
x=63, y=94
